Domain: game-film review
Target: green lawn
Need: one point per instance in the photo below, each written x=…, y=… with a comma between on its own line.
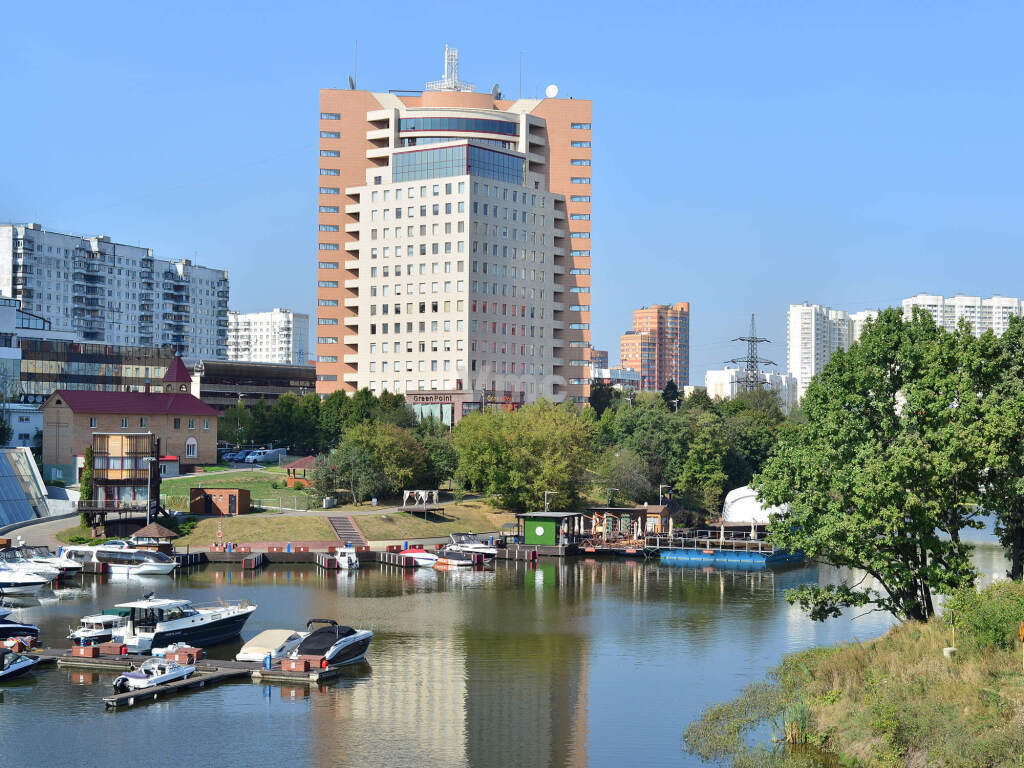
x=259, y=527
x=477, y=516
x=258, y=482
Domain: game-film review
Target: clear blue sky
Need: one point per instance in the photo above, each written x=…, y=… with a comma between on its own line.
x=747, y=155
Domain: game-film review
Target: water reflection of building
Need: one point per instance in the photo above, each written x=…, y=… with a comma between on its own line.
x=527, y=672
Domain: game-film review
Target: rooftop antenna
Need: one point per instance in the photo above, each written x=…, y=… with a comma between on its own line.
x=450, y=81
x=355, y=72
x=520, y=74
x=750, y=380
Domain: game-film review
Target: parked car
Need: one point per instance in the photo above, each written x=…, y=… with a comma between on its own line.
x=265, y=455
x=237, y=456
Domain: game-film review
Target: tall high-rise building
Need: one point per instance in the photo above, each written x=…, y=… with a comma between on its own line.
x=813, y=333
x=111, y=293
x=658, y=347
x=992, y=314
x=454, y=241
x=277, y=336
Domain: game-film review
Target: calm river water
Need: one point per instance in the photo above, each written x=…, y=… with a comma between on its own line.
x=583, y=663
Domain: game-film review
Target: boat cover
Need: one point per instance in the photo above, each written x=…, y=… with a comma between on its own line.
x=320, y=641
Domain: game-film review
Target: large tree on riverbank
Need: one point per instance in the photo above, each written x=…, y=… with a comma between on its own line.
x=887, y=469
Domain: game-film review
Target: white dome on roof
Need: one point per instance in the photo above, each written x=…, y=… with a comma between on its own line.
x=741, y=506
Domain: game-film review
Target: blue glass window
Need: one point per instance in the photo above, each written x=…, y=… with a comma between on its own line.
x=476, y=125
x=457, y=161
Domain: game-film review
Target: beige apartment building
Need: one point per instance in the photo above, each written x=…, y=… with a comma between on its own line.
x=454, y=241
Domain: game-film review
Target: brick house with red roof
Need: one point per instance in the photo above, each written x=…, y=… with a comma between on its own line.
x=186, y=426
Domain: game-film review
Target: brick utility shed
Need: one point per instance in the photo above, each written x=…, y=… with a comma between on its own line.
x=218, y=501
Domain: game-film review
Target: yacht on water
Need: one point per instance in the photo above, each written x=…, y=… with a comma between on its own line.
x=467, y=542
x=97, y=628
x=337, y=644
x=346, y=558
x=121, y=558
x=420, y=556
x=17, y=582
x=155, y=622
x=13, y=664
x=10, y=628
x=42, y=555
x=15, y=559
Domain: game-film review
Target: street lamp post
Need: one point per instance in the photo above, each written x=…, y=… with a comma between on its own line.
x=659, y=491
x=238, y=421
x=546, y=494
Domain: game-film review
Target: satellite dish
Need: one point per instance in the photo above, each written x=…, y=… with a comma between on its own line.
x=551, y=91
x=351, y=83
x=496, y=91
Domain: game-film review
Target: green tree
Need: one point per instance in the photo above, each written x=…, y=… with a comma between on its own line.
x=671, y=395
x=442, y=459
x=624, y=469
x=601, y=396
x=1004, y=435
x=324, y=476
x=358, y=471
x=307, y=434
x=332, y=419
x=886, y=471
x=85, y=481
x=6, y=432
x=396, y=453
x=260, y=430
x=234, y=425
x=702, y=477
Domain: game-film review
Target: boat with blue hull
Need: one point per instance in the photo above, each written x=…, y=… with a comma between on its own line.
x=706, y=547
x=157, y=622
x=729, y=557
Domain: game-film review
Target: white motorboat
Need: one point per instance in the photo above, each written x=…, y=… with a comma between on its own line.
x=97, y=628
x=120, y=558
x=450, y=557
x=346, y=558
x=9, y=629
x=152, y=672
x=13, y=664
x=17, y=582
x=157, y=622
x=273, y=642
x=467, y=542
x=337, y=644
x=420, y=556
x=15, y=559
x=42, y=555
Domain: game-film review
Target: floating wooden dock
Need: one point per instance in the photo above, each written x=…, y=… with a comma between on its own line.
x=713, y=547
x=208, y=672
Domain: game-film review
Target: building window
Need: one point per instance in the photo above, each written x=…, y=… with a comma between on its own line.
x=142, y=421
x=328, y=265
x=328, y=209
x=92, y=423
x=330, y=153
x=571, y=144
x=580, y=179
x=177, y=423
x=331, y=135
x=581, y=126
x=124, y=422
x=192, y=422
x=575, y=161
x=330, y=172
x=329, y=190
x=206, y=423
x=580, y=199
x=191, y=448
x=337, y=116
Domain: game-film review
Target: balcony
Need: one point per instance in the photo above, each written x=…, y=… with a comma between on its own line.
x=222, y=294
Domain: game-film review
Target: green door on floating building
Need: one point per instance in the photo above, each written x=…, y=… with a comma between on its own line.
x=538, y=531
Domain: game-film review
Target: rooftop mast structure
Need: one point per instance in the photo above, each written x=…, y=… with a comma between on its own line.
x=750, y=381
x=450, y=81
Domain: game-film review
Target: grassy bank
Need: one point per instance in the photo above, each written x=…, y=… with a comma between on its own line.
x=259, y=482
x=259, y=527
x=474, y=515
x=895, y=701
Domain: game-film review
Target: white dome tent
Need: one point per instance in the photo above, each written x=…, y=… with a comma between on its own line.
x=741, y=507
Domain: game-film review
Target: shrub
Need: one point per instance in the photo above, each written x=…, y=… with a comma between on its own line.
x=989, y=618
x=299, y=485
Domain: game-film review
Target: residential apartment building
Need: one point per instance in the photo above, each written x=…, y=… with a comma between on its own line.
x=728, y=383
x=454, y=241
x=991, y=314
x=621, y=378
x=112, y=293
x=277, y=336
x=658, y=347
x=813, y=333
x=598, y=359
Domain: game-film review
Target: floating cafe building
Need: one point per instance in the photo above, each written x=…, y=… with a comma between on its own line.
x=737, y=539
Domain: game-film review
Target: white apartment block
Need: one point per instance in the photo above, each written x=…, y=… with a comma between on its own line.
x=725, y=384
x=992, y=314
x=107, y=292
x=277, y=336
x=813, y=333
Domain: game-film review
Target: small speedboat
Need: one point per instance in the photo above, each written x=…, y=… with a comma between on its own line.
x=273, y=642
x=98, y=628
x=467, y=542
x=13, y=664
x=152, y=672
x=337, y=644
x=449, y=557
x=15, y=560
x=420, y=556
x=346, y=558
x=10, y=629
x=16, y=582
